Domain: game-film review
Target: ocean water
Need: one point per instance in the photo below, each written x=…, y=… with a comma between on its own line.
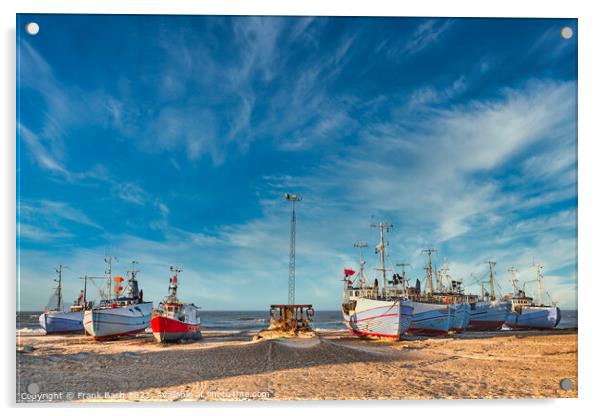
x=244, y=322
x=226, y=322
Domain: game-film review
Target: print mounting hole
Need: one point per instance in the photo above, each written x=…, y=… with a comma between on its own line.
x=32, y=28
x=566, y=384
x=566, y=32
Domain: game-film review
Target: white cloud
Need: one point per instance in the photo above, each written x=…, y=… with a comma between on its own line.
x=426, y=34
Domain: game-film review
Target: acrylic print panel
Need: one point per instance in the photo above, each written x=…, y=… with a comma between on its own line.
x=275, y=208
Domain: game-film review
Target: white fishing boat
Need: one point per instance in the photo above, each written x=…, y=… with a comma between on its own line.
x=55, y=320
x=125, y=314
x=377, y=310
x=527, y=314
x=488, y=313
x=434, y=311
x=452, y=292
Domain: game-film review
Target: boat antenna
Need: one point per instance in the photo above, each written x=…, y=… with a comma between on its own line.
x=294, y=198
x=380, y=248
x=429, y=268
x=491, y=279
x=361, y=245
x=513, y=271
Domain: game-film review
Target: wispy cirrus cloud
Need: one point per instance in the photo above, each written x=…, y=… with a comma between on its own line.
x=198, y=136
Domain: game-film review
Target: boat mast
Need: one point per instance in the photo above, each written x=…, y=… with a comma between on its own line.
x=539, y=268
x=429, y=268
x=361, y=245
x=86, y=278
x=85, y=289
x=173, y=283
x=109, y=274
x=384, y=227
x=482, y=291
x=59, y=288
x=445, y=274
x=513, y=271
x=491, y=281
x=403, y=274
x=132, y=283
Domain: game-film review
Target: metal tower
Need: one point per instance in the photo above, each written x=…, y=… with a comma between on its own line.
x=294, y=198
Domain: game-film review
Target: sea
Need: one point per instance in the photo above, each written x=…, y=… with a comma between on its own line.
x=247, y=322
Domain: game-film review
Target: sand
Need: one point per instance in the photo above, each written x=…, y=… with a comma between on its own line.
x=329, y=366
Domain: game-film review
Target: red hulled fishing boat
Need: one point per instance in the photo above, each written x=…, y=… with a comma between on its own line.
x=174, y=320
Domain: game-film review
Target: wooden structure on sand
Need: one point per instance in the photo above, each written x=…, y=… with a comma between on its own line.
x=291, y=318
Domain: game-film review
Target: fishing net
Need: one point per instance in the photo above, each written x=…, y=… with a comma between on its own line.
x=53, y=302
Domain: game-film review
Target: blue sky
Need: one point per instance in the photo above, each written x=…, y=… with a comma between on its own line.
x=171, y=140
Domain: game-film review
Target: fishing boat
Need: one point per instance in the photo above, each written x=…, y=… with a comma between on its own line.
x=127, y=313
x=527, y=314
x=452, y=293
x=488, y=313
x=55, y=320
x=379, y=311
x=434, y=311
x=174, y=320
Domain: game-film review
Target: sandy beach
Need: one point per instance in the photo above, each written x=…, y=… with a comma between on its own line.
x=329, y=366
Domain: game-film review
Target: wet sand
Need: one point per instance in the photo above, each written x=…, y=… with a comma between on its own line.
x=329, y=366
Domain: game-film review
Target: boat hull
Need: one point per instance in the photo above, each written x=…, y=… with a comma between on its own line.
x=431, y=318
x=535, y=317
x=59, y=322
x=167, y=329
x=108, y=323
x=379, y=318
x=488, y=316
x=461, y=317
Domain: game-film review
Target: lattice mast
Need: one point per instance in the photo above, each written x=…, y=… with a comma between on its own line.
x=294, y=198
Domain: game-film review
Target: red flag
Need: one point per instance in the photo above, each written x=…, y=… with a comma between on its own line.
x=348, y=272
x=174, y=280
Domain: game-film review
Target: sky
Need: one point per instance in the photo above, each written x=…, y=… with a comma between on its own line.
x=171, y=140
